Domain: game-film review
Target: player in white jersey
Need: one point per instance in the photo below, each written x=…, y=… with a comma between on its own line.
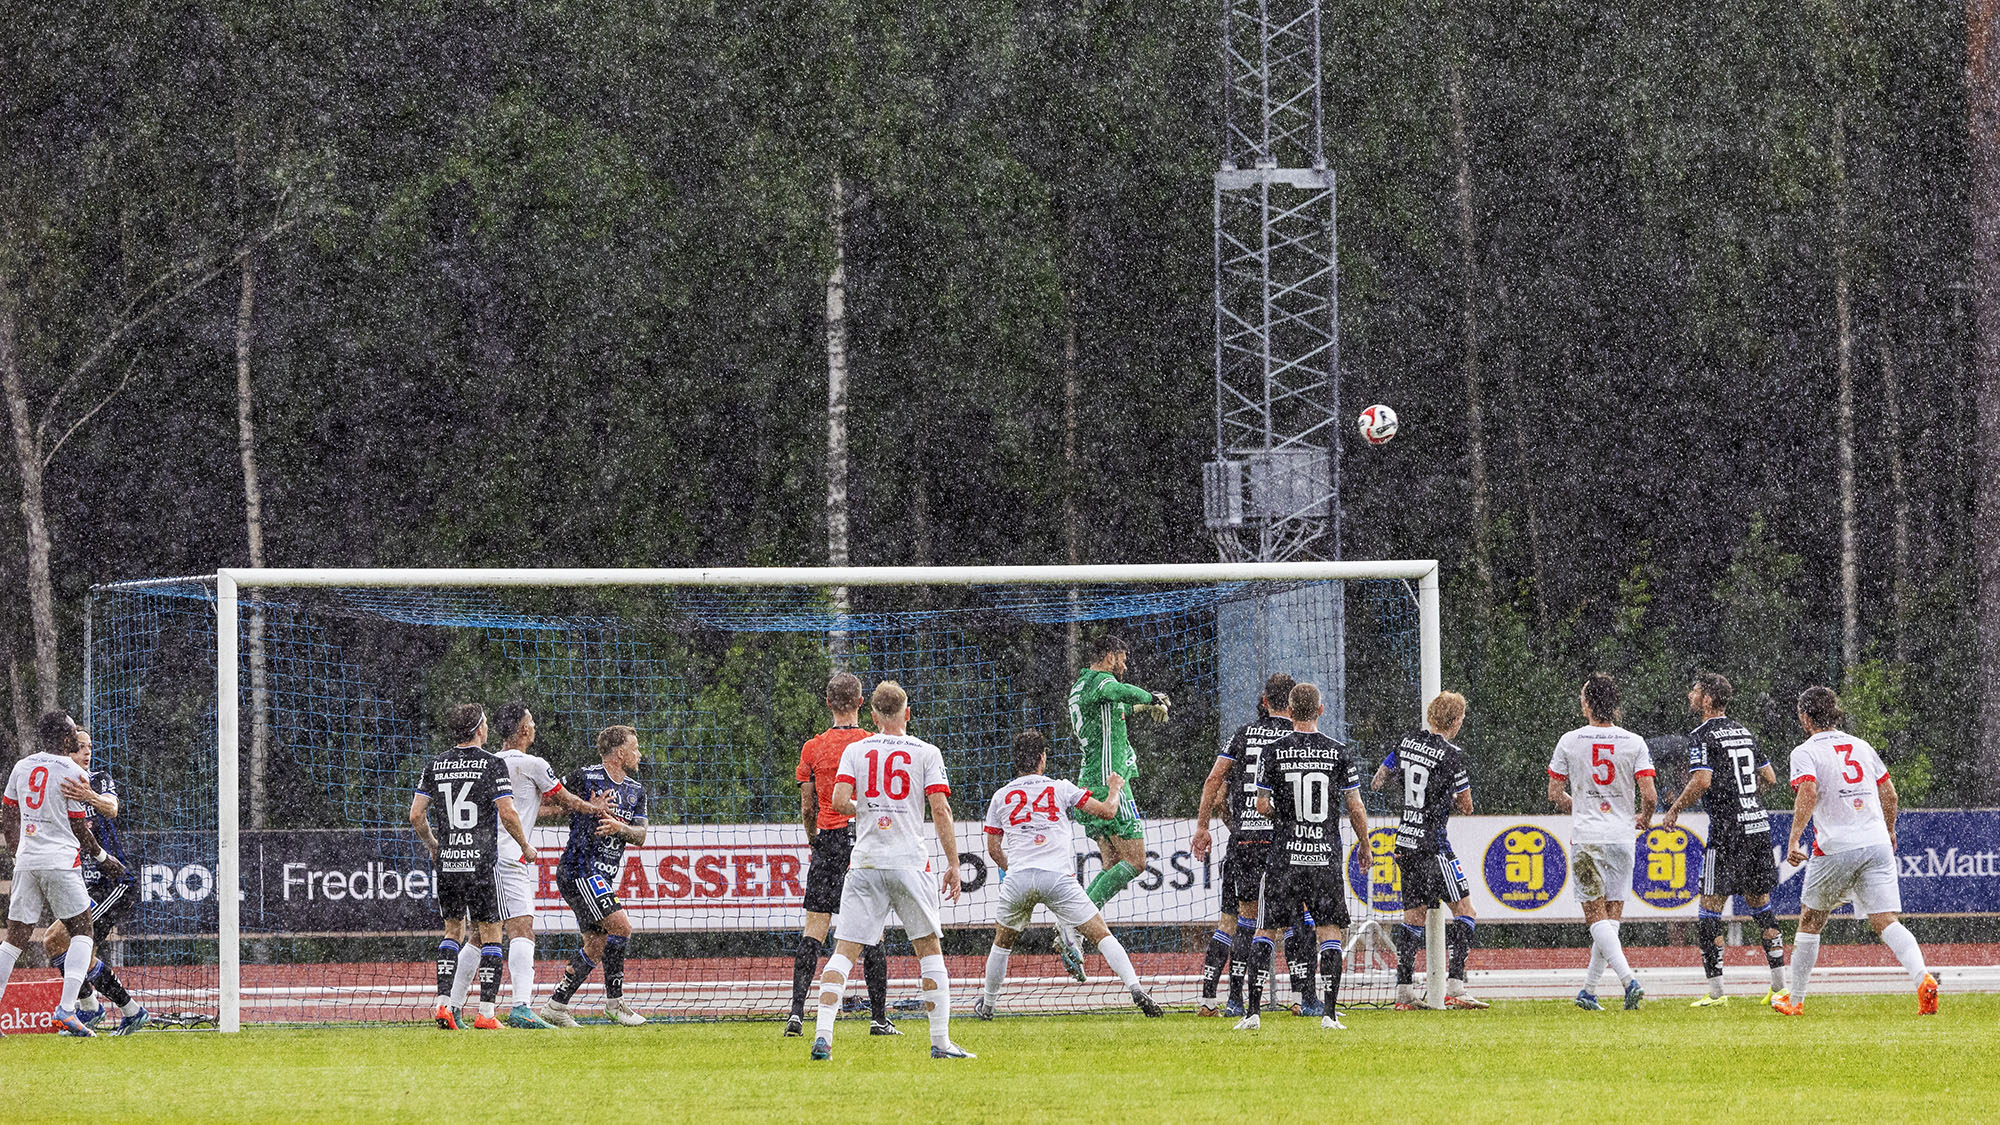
x=49, y=835
x=534, y=782
x=884, y=783
x=1030, y=838
x=1594, y=775
x=1843, y=788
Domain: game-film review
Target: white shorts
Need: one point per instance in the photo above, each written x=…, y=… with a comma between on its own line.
x=1602, y=871
x=1057, y=890
x=1867, y=875
x=870, y=893
x=514, y=882
x=58, y=890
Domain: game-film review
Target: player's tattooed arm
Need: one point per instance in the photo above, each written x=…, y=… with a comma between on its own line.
x=511, y=821
x=106, y=862
x=419, y=805
x=566, y=801
x=1357, y=814
x=808, y=810
x=634, y=833
x=1380, y=779
x=1462, y=803
x=1802, y=810
x=1766, y=776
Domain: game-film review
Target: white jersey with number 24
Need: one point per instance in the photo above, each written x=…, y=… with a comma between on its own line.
x=1031, y=816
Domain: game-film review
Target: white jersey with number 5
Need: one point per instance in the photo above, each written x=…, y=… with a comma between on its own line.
x=533, y=780
x=48, y=843
x=1603, y=766
x=1031, y=816
x=893, y=777
x=1848, y=814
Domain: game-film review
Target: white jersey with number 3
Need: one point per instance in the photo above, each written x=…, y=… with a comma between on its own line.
x=1603, y=766
x=893, y=777
x=1031, y=816
x=533, y=780
x=48, y=843
x=1848, y=772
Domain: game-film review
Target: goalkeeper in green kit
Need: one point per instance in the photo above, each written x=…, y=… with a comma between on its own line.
x=1098, y=704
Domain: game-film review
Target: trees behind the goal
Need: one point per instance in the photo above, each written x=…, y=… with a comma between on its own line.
x=722, y=674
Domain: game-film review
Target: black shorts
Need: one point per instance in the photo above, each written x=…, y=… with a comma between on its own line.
x=111, y=905
x=471, y=895
x=1243, y=872
x=831, y=850
x=1292, y=892
x=591, y=899
x=1739, y=866
x=1431, y=878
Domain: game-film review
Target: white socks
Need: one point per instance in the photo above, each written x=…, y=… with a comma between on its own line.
x=520, y=969
x=76, y=966
x=1805, y=951
x=936, y=994
x=468, y=971
x=9, y=953
x=1114, y=955
x=1903, y=944
x=833, y=982
x=1605, y=936
x=996, y=971
x=1596, y=970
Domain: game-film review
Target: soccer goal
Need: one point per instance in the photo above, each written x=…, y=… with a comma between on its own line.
x=266, y=729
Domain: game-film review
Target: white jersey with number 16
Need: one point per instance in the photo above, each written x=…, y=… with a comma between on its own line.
x=893, y=777
x=1603, y=766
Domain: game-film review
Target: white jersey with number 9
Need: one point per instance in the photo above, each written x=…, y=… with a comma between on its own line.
x=48, y=843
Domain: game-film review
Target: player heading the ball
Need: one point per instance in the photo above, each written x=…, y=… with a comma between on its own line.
x=473, y=791
x=1605, y=764
x=885, y=782
x=1029, y=838
x=1845, y=790
x=588, y=874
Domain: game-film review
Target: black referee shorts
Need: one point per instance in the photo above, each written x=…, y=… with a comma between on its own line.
x=1291, y=892
x=1743, y=865
x=1431, y=878
x=832, y=848
x=473, y=895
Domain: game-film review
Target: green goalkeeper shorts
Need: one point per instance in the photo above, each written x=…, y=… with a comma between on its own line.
x=1125, y=826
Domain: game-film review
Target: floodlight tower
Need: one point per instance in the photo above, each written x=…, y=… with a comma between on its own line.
x=1272, y=493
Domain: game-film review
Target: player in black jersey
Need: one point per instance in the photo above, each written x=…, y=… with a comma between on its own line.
x=591, y=867
x=1231, y=788
x=1297, y=781
x=1725, y=772
x=472, y=790
x=1433, y=784
x=112, y=898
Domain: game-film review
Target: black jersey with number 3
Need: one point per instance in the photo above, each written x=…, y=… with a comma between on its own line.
x=1729, y=751
x=1245, y=751
x=463, y=783
x=1430, y=771
x=1308, y=775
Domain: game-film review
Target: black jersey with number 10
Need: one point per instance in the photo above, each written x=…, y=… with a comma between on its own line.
x=1431, y=773
x=1308, y=775
x=463, y=783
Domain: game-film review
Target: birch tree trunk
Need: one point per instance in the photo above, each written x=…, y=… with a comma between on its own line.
x=836, y=404
x=1475, y=415
x=1982, y=83
x=34, y=513
x=253, y=521
x=1072, y=534
x=1899, y=493
x=24, y=719
x=1843, y=315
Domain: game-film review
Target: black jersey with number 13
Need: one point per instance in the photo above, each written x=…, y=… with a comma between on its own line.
x=1308, y=775
x=1728, y=749
x=463, y=783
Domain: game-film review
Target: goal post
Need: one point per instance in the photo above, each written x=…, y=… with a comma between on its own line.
x=235, y=590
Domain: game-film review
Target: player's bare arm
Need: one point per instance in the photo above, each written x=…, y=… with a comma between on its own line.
x=106, y=862
x=1698, y=779
x=511, y=821
x=843, y=799
x=10, y=826
x=997, y=853
x=1105, y=809
x=1802, y=810
x=1559, y=794
x=630, y=833
x=1889, y=804
x=947, y=838
x=1380, y=779
x=809, y=808
x=1649, y=799
x=1462, y=804
x=419, y=805
x=1211, y=795
x=1357, y=814
x=105, y=804
x=568, y=802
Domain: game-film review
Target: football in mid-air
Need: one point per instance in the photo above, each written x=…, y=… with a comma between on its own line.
x=1378, y=424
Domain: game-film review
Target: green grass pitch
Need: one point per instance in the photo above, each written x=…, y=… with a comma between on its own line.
x=1859, y=1058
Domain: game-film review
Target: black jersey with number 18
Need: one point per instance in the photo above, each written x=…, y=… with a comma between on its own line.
x=463, y=783
x=1308, y=775
x=1431, y=770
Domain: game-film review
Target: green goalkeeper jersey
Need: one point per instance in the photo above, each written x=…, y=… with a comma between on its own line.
x=1097, y=706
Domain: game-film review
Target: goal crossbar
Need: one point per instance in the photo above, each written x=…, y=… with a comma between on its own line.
x=228, y=580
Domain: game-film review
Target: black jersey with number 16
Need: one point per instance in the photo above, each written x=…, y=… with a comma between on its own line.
x=1431, y=772
x=1308, y=775
x=463, y=783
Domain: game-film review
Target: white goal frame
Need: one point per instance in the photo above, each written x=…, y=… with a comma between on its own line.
x=229, y=580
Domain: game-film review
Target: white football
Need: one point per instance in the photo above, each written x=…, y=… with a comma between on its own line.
x=1378, y=424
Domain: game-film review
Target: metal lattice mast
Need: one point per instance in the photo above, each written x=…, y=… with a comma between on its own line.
x=1272, y=492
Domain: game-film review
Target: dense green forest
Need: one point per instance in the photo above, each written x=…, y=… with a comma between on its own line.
x=530, y=283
